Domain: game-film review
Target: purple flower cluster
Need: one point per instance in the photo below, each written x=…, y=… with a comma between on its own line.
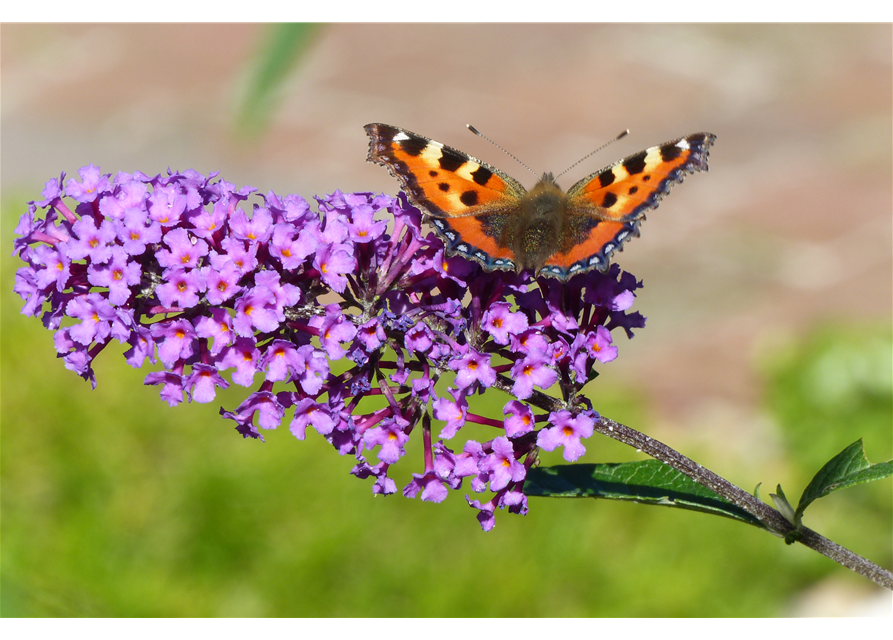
x=175, y=267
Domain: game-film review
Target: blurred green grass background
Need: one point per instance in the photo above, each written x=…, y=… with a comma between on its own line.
x=114, y=504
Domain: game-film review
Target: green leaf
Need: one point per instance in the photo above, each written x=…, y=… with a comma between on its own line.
x=784, y=507
x=646, y=482
x=282, y=49
x=847, y=468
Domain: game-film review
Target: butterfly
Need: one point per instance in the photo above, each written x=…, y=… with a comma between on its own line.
x=485, y=215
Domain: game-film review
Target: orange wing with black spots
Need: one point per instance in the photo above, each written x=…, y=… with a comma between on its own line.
x=604, y=209
x=467, y=201
x=439, y=179
x=487, y=216
x=628, y=188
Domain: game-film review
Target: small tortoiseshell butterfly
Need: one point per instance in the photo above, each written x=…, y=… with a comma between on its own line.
x=485, y=215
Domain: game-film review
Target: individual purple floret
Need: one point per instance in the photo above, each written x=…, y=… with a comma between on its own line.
x=348, y=318
x=567, y=432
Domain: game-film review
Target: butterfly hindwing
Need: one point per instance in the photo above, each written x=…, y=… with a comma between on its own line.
x=474, y=237
x=588, y=244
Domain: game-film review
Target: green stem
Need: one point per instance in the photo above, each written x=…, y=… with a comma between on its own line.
x=771, y=519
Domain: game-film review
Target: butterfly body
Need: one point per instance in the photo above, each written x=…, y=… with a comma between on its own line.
x=485, y=215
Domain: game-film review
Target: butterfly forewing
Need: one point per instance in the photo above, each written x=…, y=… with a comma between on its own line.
x=628, y=188
x=439, y=179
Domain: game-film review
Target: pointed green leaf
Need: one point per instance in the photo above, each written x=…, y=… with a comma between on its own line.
x=784, y=507
x=647, y=482
x=847, y=468
x=282, y=49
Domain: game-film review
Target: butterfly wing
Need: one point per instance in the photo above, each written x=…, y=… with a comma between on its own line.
x=467, y=201
x=604, y=209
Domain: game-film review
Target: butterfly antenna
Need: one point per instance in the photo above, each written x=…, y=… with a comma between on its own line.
x=622, y=134
x=478, y=133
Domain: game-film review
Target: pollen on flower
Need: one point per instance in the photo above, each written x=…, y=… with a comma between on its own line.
x=568, y=431
x=117, y=274
x=181, y=286
x=222, y=286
